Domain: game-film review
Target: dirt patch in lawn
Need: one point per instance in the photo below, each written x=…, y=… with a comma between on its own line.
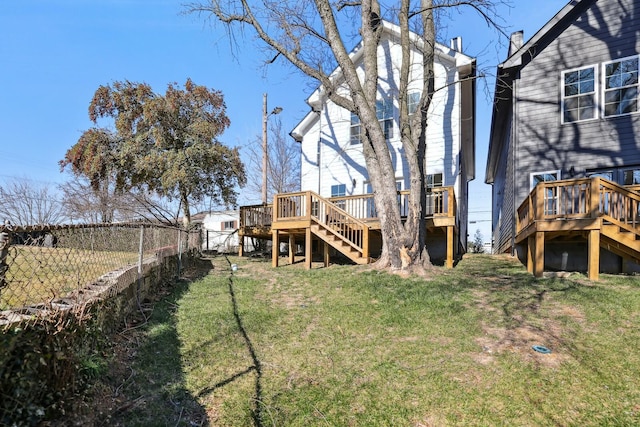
x=525, y=328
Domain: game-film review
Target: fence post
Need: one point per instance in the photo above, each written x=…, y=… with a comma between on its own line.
x=5, y=242
x=179, y=251
x=140, y=254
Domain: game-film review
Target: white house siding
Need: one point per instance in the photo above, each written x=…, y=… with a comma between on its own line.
x=343, y=163
x=309, y=151
x=214, y=237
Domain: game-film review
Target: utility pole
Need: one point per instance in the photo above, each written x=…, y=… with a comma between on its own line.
x=265, y=152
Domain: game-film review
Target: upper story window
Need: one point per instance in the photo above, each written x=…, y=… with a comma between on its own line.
x=579, y=95
x=356, y=129
x=413, y=102
x=384, y=111
x=621, y=87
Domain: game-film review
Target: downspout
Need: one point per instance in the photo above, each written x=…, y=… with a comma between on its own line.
x=319, y=153
x=514, y=138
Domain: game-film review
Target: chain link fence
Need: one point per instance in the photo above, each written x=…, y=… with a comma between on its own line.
x=43, y=264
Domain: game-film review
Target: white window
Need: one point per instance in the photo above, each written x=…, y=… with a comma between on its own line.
x=384, y=111
x=434, y=180
x=551, y=194
x=356, y=129
x=579, y=95
x=621, y=87
x=228, y=225
x=413, y=102
x=538, y=177
x=339, y=190
x=631, y=177
x=602, y=174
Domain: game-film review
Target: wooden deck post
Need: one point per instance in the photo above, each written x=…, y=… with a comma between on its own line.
x=326, y=254
x=449, y=263
x=365, y=244
x=292, y=246
x=308, y=248
x=275, y=248
x=538, y=254
x=531, y=242
x=594, y=255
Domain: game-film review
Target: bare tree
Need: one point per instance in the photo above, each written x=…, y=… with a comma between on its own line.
x=309, y=36
x=84, y=203
x=24, y=203
x=283, y=169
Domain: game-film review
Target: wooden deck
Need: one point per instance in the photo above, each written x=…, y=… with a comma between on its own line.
x=348, y=224
x=607, y=213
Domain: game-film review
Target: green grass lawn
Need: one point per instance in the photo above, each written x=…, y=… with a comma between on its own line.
x=352, y=346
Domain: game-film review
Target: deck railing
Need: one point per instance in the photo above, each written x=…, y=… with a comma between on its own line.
x=440, y=202
x=256, y=216
x=579, y=198
x=307, y=206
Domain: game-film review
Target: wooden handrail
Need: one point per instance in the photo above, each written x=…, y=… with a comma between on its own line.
x=339, y=222
x=441, y=201
x=580, y=198
x=619, y=205
x=256, y=216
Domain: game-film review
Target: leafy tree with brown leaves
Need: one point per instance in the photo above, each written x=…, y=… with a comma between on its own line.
x=163, y=144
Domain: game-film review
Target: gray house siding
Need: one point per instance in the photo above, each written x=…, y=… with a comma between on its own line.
x=591, y=33
x=544, y=143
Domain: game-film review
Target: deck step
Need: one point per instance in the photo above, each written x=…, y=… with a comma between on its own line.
x=339, y=244
x=621, y=242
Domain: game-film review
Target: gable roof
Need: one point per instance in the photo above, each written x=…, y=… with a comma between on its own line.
x=508, y=70
x=464, y=63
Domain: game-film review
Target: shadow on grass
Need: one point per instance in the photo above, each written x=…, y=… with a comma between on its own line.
x=256, y=366
x=152, y=389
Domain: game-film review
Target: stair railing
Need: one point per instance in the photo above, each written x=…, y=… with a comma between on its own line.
x=332, y=218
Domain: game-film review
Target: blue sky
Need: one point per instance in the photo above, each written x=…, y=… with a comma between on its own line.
x=54, y=54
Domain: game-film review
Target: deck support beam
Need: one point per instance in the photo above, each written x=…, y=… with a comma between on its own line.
x=594, y=255
x=275, y=248
x=531, y=242
x=292, y=248
x=308, y=248
x=326, y=254
x=450, y=232
x=538, y=254
x=240, y=244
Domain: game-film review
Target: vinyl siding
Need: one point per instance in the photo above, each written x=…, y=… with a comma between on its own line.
x=342, y=162
x=544, y=143
x=603, y=32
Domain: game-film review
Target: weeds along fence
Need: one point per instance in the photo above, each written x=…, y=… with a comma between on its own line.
x=51, y=265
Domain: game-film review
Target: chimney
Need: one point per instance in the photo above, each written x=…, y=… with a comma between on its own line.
x=515, y=42
x=456, y=44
